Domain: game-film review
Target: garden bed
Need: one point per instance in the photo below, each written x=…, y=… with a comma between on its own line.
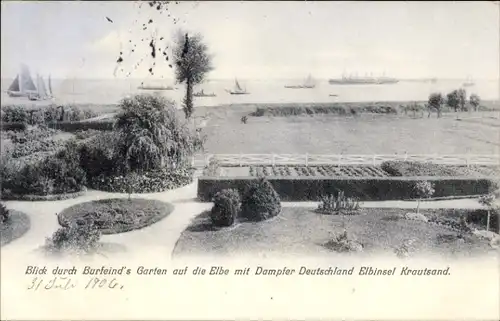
x=17, y=225
x=114, y=216
x=405, y=169
x=147, y=182
x=34, y=198
x=301, y=231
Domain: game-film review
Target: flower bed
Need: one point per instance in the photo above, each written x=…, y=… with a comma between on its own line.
x=113, y=216
x=148, y=182
x=51, y=197
x=308, y=171
x=16, y=226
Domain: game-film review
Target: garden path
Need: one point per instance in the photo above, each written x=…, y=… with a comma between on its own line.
x=163, y=235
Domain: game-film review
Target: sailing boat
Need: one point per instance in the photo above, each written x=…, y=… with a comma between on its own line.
x=237, y=90
x=469, y=82
x=42, y=92
x=308, y=83
x=23, y=84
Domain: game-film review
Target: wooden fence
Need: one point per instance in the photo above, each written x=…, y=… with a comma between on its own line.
x=315, y=159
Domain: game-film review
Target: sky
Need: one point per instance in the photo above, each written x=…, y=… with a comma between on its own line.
x=256, y=39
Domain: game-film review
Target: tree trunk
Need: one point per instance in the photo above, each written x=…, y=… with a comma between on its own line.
x=488, y=221
x=188, y=100
x=418, y=206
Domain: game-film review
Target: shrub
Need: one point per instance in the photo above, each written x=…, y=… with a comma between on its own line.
x=4, y=214
x=99, y=155
x=213, y=168
x=261, y=201
x=226, y=207
x=343, y=243
x=339, y=204
x=153, y=134
x=82, y=235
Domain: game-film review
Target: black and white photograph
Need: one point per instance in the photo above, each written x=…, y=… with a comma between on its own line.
x=227, y=130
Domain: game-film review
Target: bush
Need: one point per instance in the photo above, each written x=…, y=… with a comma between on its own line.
x=99, y=155
x=74, y=126
x=154, y=136
x=339, y=204
x=146, y=182
x=213, y=168
x=4, y=214
x=55, y=174
x=41, y=115
x=226, y=207
x=82, y=235
x=261, y=201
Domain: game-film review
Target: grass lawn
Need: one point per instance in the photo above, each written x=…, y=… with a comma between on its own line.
x=17, y=225
x=301, y=231
x=119, y=215
x=330, y=134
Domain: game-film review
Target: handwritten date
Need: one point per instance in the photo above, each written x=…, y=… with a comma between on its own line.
x=66, y=283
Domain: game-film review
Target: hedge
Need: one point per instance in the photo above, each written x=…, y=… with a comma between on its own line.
x=17, y=126
x=366, y=189
x=73, y=126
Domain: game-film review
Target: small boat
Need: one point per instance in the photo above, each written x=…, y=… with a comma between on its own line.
x=469, y=82
x=237, y=90
x=333, y=95
x=146, y=87
x=202, y=93
x=309, y=83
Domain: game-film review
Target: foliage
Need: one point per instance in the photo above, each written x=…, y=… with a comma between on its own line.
x=436, y=102
x=475, y=101
x=192, y=63
x=339, y=204
x=456, y=99
x=260, y=201
x=342, y=242
x=365, y=188
x=213, y=168
x=43, y=115
x=4, y=214
x=487, y=199
x=423, y=189
x=226, y=207
x=409, y=168
x=99, y=155
x=153, y=135
x=146, y=182
x=54, y=174
x=82, y=235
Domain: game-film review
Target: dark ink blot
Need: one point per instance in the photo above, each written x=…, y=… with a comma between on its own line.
x=161, y=38
x=153, y=48
x=109, y=20
x=170, y=66
x=150, y=21
x=120, y=60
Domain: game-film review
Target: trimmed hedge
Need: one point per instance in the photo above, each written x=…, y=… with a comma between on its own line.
x=17, y=126
x=365, y=189
x=73, y=126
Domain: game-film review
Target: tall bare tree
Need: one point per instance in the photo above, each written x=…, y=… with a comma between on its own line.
x=192, y=63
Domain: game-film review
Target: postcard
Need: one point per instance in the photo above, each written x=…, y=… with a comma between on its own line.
x=250, y=160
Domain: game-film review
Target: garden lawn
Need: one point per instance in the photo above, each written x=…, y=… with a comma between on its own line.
x=301, y=231
x=119, y=215
x=17, y=225
x=330, y=134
